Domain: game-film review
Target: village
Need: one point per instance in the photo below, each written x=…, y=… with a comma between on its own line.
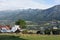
x=53, y=29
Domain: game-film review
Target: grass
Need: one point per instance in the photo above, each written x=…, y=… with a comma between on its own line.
x=13, y=36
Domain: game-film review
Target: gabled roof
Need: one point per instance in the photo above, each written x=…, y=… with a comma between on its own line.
x=7, y=27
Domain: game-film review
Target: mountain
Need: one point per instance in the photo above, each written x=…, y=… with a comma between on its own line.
x=35, y=15
x=26, y=14
x=49, y=14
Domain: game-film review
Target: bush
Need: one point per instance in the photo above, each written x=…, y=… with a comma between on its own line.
x=17, y=31
x=38, y=32
x=30, y=33
x=25, y=32
x=47, y=32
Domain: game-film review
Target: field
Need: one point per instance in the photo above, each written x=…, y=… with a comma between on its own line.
x=13, y=36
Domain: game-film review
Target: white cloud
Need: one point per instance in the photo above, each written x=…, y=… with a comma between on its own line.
x=16, y=4
x=19, y=4
x=57, y=1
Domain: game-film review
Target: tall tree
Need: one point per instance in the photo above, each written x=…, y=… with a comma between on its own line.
x=22, y=23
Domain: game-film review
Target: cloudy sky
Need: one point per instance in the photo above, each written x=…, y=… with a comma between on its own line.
x=24, y=4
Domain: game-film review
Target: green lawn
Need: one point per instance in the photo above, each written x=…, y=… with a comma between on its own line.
x=14, y=36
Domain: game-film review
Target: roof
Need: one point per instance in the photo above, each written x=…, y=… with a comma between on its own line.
x=7, y=27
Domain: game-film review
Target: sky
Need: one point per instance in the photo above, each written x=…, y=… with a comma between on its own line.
x=25, y=4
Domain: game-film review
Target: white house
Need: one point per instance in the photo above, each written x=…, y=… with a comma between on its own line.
x=15, y=28
x=7, y=29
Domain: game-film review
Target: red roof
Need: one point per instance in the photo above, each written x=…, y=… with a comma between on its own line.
x=7, y=27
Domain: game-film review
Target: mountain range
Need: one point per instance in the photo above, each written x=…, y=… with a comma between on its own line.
x=35, y=15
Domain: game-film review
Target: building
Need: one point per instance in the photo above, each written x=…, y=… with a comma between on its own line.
x=9, y=29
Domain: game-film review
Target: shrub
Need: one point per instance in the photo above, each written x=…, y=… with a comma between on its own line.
x=47, y=32
x=25, y=32
x=38, y=32
x=30, y=33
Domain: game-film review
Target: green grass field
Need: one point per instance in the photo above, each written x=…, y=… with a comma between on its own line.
x=13, y=36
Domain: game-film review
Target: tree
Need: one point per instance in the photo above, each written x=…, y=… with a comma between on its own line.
x=22, y=23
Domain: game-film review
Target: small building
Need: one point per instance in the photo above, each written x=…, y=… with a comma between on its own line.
x=5, y=28
x=55, y=30
x=9, y=29
x=16, y=27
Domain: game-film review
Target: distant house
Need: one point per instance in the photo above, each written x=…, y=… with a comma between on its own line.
x=5, y=28
x=55, y=27
x=55, y=30
x=9, y=29
x=16, y=27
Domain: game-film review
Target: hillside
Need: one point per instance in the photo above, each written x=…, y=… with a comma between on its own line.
x=36, y=15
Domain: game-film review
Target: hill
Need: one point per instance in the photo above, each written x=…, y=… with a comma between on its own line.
x=35, y=15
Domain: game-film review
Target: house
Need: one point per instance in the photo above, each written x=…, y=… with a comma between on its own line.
x=55, y=30
x=16, y=27
x=55, y=27
x=7, y=28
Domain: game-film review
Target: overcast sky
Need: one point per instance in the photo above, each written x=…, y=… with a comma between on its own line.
x=24, y=4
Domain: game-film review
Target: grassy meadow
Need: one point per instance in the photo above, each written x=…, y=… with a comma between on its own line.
x=13, y=36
